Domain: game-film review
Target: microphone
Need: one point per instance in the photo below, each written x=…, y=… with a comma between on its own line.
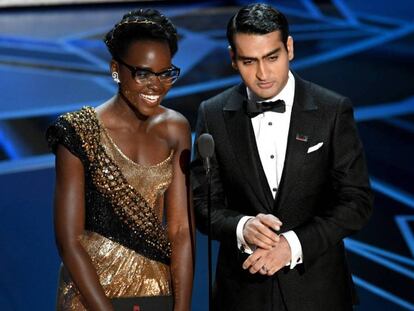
x=205, y=146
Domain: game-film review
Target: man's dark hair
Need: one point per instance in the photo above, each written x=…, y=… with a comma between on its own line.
x=142, y=24
x=258, y=19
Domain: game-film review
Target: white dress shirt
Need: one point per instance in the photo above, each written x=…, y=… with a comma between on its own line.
x=271, y=131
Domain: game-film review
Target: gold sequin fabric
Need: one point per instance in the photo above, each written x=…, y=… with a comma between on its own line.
x=150, y=180
x=122, y=273
x=124, y=234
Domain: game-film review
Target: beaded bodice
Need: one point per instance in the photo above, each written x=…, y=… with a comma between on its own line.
x=150, y=181
x=120, y=195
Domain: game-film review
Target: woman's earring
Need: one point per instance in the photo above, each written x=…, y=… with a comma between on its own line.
x=115, y=76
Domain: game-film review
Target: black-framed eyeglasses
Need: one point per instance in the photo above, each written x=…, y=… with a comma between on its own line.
x=142, y=75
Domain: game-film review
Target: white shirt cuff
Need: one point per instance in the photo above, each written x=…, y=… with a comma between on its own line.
x=241, y=243
x=295, y=248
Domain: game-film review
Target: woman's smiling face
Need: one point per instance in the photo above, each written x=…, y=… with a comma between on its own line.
x=155, y=56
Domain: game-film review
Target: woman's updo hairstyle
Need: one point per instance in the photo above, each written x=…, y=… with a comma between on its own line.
x=142, y=24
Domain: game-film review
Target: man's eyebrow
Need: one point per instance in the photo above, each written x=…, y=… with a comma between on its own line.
x=272, y=52
x=255, y=58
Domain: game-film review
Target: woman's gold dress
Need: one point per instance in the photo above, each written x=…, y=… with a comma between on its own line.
x=124, y=234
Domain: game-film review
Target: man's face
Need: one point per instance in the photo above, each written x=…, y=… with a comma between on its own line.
x=263, y=62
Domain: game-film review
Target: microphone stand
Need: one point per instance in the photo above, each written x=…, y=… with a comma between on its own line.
x=205, y=145
x=210, y=265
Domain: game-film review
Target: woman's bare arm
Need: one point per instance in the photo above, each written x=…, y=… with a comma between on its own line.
x=69, y=220
x=180, y=219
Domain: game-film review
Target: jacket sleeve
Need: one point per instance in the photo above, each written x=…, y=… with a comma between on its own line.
x=351, y=206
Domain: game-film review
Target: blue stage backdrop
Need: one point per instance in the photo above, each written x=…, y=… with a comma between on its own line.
x=52, y=60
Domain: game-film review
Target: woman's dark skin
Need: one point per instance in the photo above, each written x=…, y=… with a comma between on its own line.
x=146, y=133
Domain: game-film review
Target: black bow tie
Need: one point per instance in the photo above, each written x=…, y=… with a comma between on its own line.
x=255, y=108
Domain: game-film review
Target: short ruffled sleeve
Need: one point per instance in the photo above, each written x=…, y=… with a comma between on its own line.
x=63, y=132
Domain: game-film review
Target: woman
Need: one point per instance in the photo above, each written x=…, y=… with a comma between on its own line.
x=118, y=167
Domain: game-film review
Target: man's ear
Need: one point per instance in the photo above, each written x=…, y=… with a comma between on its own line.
x=290, y=48
x=233, y=58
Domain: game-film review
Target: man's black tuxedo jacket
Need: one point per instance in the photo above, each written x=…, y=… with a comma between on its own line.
x=324, y=196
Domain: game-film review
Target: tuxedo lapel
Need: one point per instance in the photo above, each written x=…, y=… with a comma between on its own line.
x=241, y=136
x=301, y=130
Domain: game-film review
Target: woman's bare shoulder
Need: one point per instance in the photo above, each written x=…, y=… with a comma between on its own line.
x=176, y=125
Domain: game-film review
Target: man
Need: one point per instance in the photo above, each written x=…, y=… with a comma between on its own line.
x=288, y=178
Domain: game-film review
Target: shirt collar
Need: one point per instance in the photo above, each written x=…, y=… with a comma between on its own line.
x=286, y=94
